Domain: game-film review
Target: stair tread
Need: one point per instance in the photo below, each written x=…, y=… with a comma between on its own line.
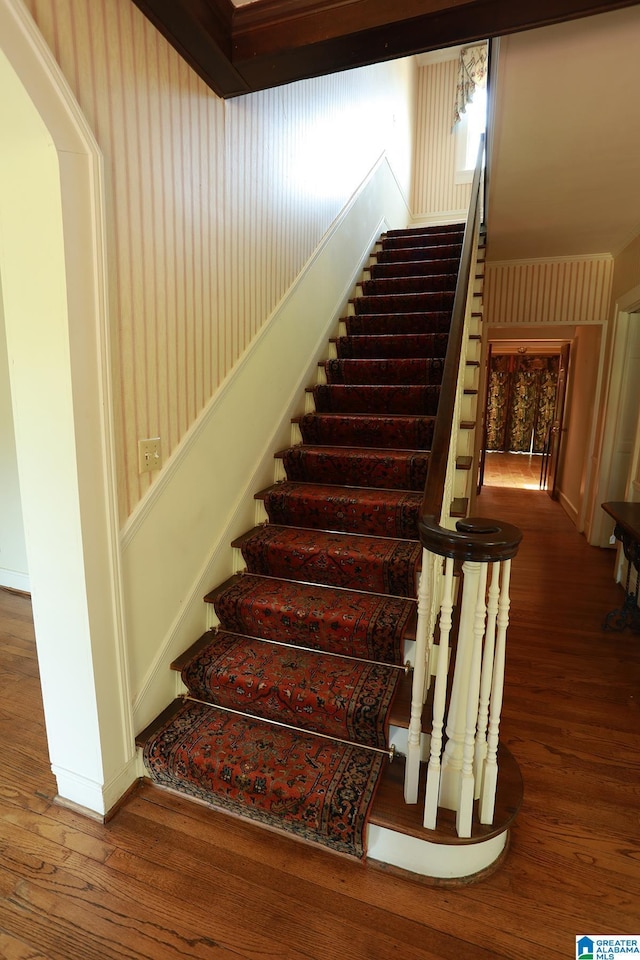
x=382, y=565
x=391, y=346
x=332, y=489
x=381, y=371
x=314, y=533
x=209, y=636
x=401, y=417
x=400, y=322
x=375, y=511
x=462, y=463
x=340, y=620
x=313, y=691
x=403, y=452
x=234, y=763
x=390, y=810
x=376, y=399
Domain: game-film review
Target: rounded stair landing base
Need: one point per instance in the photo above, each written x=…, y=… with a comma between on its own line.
x=435, y=861
x=397, y=839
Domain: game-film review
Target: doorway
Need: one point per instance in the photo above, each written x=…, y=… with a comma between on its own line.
x=54, y=307
x=521, y=402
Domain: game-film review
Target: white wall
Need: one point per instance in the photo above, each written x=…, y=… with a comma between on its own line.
x=14, y=571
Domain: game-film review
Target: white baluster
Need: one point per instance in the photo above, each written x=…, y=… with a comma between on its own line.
x=439, y=699
x=457, y=716
x=490, y=777
x=424, y=638
x=464, y=816
x=487, y=676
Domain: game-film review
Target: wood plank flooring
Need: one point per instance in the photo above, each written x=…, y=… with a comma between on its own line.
x=169, y=879
x=512, y=470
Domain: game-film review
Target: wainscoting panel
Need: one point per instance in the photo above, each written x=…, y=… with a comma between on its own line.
x=549, y=291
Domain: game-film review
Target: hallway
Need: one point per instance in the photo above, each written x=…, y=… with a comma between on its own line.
x=168, y=878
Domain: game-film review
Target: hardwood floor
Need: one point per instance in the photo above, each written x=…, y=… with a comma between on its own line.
x=169, y=879
x=512, y=470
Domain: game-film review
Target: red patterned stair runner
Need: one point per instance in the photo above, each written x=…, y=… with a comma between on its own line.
x=291, y=695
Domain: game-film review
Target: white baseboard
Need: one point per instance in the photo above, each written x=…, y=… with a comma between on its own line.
x=15, y=580
x=92, y=797
x=569, y=508
x=438, y=219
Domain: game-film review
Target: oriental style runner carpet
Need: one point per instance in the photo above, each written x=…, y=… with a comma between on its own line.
x=286, y=717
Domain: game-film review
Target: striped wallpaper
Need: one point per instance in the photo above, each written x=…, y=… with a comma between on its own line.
x=548, y=291
x=435, y=192
x=213, y=207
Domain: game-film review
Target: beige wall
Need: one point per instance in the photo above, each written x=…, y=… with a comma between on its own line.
x=213, y=207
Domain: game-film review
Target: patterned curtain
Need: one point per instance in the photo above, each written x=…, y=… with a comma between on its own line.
x=472, y=73
x=522, y=393
x=498, y=404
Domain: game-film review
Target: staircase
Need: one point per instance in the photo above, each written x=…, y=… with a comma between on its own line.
x=299, y=697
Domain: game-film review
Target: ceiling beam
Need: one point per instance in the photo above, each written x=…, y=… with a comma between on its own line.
x=266, y=43
x=201, y=32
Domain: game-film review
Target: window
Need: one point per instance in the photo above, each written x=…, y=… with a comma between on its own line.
x=468, y=130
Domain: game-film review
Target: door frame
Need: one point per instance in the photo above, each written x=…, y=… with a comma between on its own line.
x=599, y=526
x=54, y=290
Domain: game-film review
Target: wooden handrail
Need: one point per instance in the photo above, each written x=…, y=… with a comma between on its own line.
x=473, y=539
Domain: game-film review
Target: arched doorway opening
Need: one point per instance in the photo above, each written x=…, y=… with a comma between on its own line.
x=54, y=306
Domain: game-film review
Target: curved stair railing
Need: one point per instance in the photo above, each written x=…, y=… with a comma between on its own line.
x=464, y=582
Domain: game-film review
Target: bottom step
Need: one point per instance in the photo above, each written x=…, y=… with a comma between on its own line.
x=346, y=798
x=316, y=788
x=397, y=838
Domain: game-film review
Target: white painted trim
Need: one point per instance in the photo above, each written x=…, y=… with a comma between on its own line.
x=569, y=508
x=15, y=580
x=438, y=860
x=438, y=56
x=445, y=54
x=582, y=524
x=536, y=260
x=93, y=796
x=599, y=523
x=442, y=218
x=93, y=592
x=536, y=322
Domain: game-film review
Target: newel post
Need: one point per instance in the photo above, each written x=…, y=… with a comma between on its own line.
x=463, y=763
